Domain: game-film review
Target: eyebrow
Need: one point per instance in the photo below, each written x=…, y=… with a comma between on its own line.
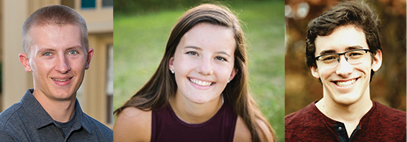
x=53, y=50
x=193, y=47
x=325, y=52
x=198, y=48
x=331, y=51
x=46, y=50
x=353, y=47
x=74, y=47
x=224, y=53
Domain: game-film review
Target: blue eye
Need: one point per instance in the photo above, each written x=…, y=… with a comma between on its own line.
x=73, y=52
x=47, y=54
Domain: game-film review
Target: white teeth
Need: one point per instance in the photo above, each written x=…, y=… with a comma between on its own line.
x=201, y=83
x=347, y=83
x=61, y=79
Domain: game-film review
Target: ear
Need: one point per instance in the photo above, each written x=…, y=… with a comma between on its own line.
x=377, y=60
x=25, y=61
x=314, y=71
x=171, y=63
x=233, y=74
x=90, y=55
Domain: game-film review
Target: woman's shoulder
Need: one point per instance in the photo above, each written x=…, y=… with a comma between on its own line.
x=132, y=124
x=264, y=131
x=242, y=133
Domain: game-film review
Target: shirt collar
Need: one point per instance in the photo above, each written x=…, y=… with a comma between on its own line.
x=42, y=119
x=330, y=122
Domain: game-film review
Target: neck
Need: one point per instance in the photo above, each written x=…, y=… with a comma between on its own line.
x=344, y=113
x=59, y=110
x=194, y=113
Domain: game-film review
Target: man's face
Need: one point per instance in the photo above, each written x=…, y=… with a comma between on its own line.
x=345, y=83
x=57, y=60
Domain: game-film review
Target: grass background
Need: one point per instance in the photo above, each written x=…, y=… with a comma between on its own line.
x=139, y=43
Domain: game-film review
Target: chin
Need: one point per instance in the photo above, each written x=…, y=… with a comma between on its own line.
x=346, y=99
x=200, y=100
x=63, y=96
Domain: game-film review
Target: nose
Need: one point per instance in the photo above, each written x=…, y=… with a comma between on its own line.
x=205, y=66
x=344, y=68
x=62, y=65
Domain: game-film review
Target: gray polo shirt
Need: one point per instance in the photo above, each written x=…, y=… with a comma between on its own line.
x=28, y=121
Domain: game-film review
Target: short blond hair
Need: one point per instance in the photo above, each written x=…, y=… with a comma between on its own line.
x=54, y=15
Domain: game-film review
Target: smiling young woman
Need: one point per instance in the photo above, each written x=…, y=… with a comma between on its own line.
x=199, y=91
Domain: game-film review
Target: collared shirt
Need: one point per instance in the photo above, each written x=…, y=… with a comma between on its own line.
x=28, y=121
x=380, y=123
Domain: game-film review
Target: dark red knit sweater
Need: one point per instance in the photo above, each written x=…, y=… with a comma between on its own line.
x=381, y=123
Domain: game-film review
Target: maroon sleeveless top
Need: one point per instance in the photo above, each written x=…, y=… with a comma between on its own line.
x=167, y=127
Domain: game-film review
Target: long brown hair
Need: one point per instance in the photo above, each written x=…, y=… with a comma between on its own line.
x=157, y=91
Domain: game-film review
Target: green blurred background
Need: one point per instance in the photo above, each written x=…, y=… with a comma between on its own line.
x=142, y=28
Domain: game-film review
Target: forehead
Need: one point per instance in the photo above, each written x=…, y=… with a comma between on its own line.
x=54, y=29
x=205, y=35
x=55, y=36
x=341, y=39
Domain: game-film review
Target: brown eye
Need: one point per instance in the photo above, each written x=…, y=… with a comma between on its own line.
x=220, y=58
x=192, y=53
x=328, y=58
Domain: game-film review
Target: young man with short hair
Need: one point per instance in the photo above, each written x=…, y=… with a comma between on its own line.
x=343, y=51
x=57, y=53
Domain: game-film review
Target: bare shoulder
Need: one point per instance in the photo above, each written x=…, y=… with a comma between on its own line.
x=132, y=124
x=242, y=133
x=264, y=131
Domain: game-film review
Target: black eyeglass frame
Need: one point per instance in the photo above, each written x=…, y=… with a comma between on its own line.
x=339, y=54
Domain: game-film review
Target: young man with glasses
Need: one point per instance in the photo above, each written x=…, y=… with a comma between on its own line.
x=343, y=51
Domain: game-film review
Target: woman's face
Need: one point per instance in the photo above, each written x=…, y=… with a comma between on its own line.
x=203, y=62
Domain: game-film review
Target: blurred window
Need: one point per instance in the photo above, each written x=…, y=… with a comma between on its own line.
x=107, y=3
x=69, y=3
x=88, y=4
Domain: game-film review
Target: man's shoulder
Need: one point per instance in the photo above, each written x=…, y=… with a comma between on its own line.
x=9, y=115
x=306, y=124
x=10, y=123
x=301, y=115
x=306, y=119
x=384, y=124
x=390, y=115
x=95, y=123
x=98, y=127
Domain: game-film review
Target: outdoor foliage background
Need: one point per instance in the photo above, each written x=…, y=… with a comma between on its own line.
x=141, y=30
x=388, y=85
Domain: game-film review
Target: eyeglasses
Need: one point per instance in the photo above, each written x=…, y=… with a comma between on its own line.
x=352, y=57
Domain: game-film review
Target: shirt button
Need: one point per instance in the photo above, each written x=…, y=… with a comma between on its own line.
x=339, y=128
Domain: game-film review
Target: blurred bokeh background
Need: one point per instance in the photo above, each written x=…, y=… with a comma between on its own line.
x=389, y=82
x=142, y=28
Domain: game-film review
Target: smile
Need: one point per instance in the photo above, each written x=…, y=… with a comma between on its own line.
x=346, y=83
x=61, y=79
x=200, y=82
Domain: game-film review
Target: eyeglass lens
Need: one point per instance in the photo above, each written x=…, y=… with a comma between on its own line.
x=352, y=57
